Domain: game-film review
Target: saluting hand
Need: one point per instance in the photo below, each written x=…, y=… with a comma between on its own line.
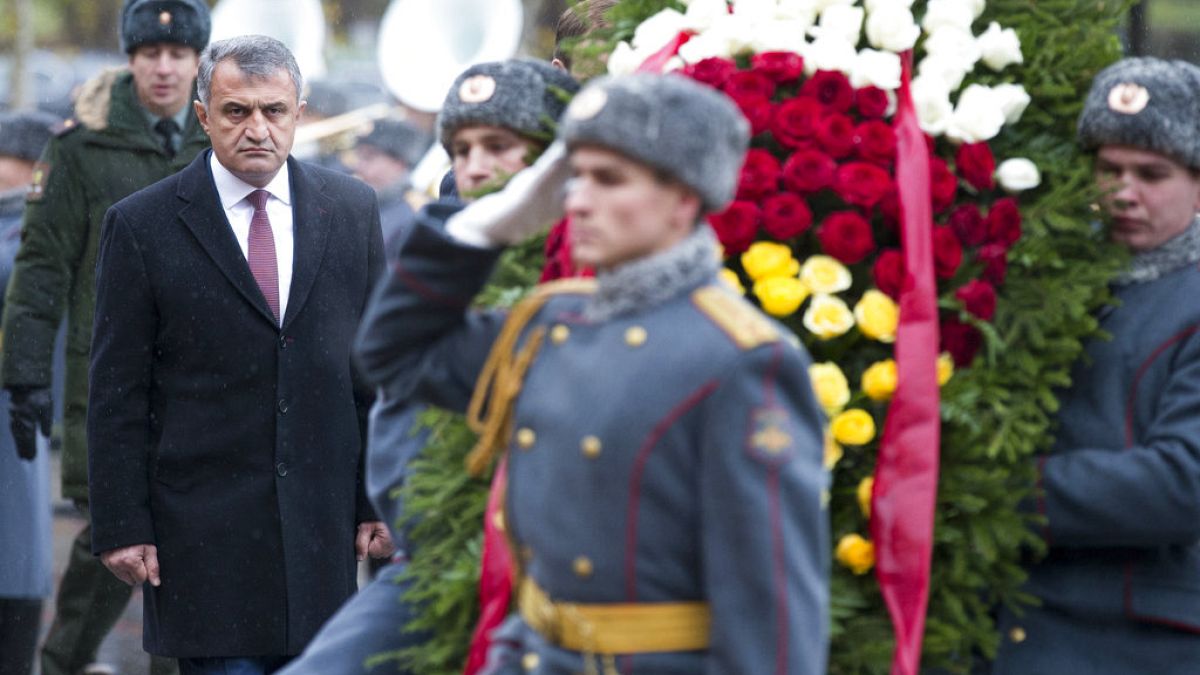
x=373, y=539
x=133, y=564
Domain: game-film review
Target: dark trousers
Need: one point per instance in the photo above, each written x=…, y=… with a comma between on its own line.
x=254, y=665
x=19, y=622
x=89, y=603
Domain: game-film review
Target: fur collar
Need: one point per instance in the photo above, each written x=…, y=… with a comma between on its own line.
x=1175, y=253
x=95, y=99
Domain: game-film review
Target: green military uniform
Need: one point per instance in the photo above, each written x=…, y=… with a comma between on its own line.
x=106, y=153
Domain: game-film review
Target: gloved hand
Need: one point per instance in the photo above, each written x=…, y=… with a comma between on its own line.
x=30, y=408
x=531, y=202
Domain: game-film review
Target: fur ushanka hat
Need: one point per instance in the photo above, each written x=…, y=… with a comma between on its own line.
x=185, y=22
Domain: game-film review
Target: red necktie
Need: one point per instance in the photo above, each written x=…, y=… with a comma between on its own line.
x=261, y=251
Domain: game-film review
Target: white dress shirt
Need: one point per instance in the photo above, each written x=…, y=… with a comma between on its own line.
x=239, y=211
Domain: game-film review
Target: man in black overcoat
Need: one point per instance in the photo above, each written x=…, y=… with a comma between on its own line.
x=225, y=425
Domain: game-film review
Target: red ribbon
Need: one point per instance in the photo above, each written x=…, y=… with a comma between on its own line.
x=495, y=574
x=658, y=60
x=906, y=472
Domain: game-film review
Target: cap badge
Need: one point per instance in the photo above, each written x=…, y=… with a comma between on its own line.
x=477, y=89
x=587, y=104
x=1128, y=98
x=164, y=18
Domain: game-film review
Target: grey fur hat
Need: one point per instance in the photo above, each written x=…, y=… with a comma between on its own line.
x=1147, y=103
x=400, y=140
x=24, y=134
x=185, y=22
x=668, y=122
x=523, y=95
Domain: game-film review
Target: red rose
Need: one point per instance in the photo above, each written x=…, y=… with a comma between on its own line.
x=1004, y=222
x=749, y=83
x=947, y=252
x=976, y=164
x=796, y=121
x=781, y=67
x=736, y=226
x=967, y=222
x=835, y=135
x=758, y=112
x=862, y=184
x=943, y=184
x=808, y=171
x=994, y=259
x=846, y=235
x=889, y=208
x=713, y=71
x=786, y=215
x=876, y=142
x=889, y=272
x=979, y=298
x=760, y=175
x=831, y=88
x=871, y=102
x=961, y=340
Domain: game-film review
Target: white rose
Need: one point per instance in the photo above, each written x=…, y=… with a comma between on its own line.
x=1013, y=101
x=658, y=30
x=931, y=99
x=755, y=10
x=976, y=7
x=999, y=47
x=840, y=21
x=892, y=27
x=701, y=13
x=804, y=11
x=723, y=39
x=954, y=13
x=820, y=5
x=943, y=69
x=778, y=36
x=955, y=45
x=623, y=60
x=828, y=54
x=875, y=5
x=876, y=69
x=977, y=117
x=1018, y=174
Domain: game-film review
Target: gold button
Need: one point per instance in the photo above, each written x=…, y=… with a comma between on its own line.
x=530, y=661
x=1017, y=635
x=559, y=334
x=635, y=336
x=582, y=567
x=498, y=520
x=526, y=438
x=591, y=447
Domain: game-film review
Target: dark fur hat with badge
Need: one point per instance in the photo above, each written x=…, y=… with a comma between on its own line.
x=523, y=95
x=185, y=22
x=1146, y=103
x=670, y=123
x=24, y=134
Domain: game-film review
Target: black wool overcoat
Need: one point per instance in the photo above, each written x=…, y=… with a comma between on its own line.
x=233, y=444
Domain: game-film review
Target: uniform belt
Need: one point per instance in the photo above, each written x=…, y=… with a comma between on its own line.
x=617, y=628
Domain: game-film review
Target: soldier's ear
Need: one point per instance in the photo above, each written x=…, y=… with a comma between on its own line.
x=201, y=114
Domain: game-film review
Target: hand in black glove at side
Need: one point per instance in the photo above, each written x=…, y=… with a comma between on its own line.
x=30, y=408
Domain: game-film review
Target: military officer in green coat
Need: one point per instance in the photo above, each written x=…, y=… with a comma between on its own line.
x=132, y=127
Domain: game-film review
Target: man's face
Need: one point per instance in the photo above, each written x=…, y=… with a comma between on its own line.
x=1150, y=197
x=481, y=154
x=163, y=73
x=621, y=211
x=377, y=168
x=251, y=121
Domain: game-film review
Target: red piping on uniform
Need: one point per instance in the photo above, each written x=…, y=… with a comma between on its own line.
x=425, y=291
x=1137, y=379
x=635, y=481
x=1177, y=625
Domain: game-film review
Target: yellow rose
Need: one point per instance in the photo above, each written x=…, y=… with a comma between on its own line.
x=768, y=259
x=879, y=380
x=853, y=427
x=877, y=316
x=856, y=553
x=824, y=274
x=865, y=486
x=730, y=277
x=780, y=296
x=829, y=382
x=945, y=368
x=828, y=317
x=833, y=451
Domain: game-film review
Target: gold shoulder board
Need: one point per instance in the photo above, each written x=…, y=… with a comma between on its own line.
x=738, y=319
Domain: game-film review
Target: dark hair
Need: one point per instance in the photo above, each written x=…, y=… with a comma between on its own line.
x=579, y=19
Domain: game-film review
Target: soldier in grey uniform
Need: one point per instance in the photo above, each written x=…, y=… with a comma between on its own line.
x=664, y=448
x=1120, y=491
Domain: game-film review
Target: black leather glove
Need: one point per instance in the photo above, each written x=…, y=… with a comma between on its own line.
x=31, y=408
